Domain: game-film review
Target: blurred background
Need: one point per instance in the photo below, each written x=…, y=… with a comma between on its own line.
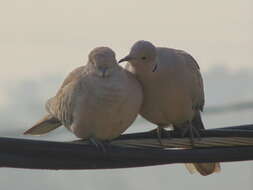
x=42, y=41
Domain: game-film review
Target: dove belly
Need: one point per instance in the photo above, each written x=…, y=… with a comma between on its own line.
x=103, y=114
x=167, y=105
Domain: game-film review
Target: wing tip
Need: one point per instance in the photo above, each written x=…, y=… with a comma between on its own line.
x=32, y=131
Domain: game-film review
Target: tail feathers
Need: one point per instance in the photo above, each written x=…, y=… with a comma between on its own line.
x=203, y=168
x=197, y=121
x=47, y=124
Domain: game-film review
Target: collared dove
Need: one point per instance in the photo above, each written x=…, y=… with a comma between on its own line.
x=173, y=94
x=98, y=101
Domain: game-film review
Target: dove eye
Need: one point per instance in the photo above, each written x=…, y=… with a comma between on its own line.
x=143, y=58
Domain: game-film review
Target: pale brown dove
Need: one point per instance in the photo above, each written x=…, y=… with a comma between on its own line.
x=98, y=101
x=173, y=94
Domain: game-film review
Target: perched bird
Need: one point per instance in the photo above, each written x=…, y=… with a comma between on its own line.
x=98, y=101
x=172, y=90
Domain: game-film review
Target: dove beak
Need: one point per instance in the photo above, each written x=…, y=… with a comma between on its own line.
x=127, y=58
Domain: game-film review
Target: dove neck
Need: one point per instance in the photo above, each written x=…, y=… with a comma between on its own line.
x=142, y=71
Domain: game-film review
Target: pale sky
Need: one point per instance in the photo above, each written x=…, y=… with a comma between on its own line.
x=39, y=37
x=52, y=37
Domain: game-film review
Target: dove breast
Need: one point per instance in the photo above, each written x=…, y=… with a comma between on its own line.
x=104, y=107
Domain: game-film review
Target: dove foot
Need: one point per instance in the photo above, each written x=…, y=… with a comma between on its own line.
x=188, y=130
x=100, y=145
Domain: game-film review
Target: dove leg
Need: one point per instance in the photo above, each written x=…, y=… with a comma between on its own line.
x=159, y=135
x=161, y=132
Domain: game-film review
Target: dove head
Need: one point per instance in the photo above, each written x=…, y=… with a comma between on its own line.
x=142, y=55
x=102, y=61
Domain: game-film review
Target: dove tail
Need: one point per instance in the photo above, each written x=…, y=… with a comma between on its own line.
x=203, y=168
x=45, y=125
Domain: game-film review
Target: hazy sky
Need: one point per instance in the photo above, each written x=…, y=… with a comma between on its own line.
x=54, y=36
x=51, y=37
